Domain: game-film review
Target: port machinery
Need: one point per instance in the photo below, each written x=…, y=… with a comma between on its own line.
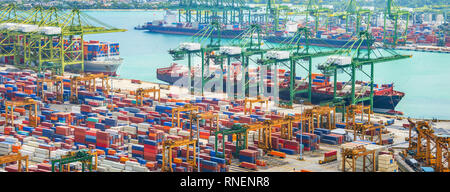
x=197, y=117
x=15, y=158
x=357, y=59
x=140, y=93
x=429, y=147
x=167, y=148
x=89, y=80
x=87, y=157
x=47, y=37
x=32, y=111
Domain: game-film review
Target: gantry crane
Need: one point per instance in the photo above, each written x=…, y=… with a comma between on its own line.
x=350, y=156
x=429, y=147
x=89, y=80
x=195, y=48
x=348, y=58
x=264, y=131
x=15, y=158
x=196, y=117
x=238, y=130
x=323, y=117
x=32, y=111
x=298, y=52
x=395, y=14
x=39, y=35
x=55, y=82
x=140, y=94
x=258, y=99
x=168, y=146
x=227, y=11
x=351, y=111
x=85, y=156
x=177, y=111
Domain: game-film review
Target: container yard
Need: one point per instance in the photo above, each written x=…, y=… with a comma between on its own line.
x=254, y=103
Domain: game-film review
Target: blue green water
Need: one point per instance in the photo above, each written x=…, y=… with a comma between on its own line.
x=425, y=78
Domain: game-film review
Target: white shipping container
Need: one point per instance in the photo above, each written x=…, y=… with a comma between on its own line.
x=339, y=60
x=278, y=54
x=190, y=46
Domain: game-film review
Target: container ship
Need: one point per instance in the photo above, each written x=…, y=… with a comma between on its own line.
x=169, y=25
x=99, y=57
x=385, y=97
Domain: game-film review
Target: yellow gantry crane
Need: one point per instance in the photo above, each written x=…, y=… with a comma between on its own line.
x=350, y=156
x=55, y=82
x=168, y=146
x=140, y=94
x=195, y=117
x=176, y=112
x=256, y=100
x=89, y=81
x=264, y=130
x=360, y=131
x=431, y=148
x=13, y=158
x=32, y=111
x=350, y=117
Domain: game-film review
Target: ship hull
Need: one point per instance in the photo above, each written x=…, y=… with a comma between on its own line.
x=235, y=33
x=379, y=101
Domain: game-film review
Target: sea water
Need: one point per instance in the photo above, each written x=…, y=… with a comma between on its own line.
x=424, y=78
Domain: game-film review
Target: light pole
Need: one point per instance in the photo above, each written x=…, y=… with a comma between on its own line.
x=300, y=157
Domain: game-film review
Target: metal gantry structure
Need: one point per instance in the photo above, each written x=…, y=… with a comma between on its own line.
x=47, y=38
x=201, y=11
x=397, y=17
x=140, y=93
x=90, y=82
x=85, y=156
x=429, y=147
x=296, y=53
x=32, y=111
x=359, y=58
x=15, y=158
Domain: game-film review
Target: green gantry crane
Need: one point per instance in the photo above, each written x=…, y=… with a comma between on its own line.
x=84, y=156
x=297, y=56
x=228, y=11
x=360, y=58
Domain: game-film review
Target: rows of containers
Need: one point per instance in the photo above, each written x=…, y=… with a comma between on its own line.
x=135, y=134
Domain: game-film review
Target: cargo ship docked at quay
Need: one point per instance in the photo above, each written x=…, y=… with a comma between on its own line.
x=169, y=26
x=99, y=57
x=385, y=97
